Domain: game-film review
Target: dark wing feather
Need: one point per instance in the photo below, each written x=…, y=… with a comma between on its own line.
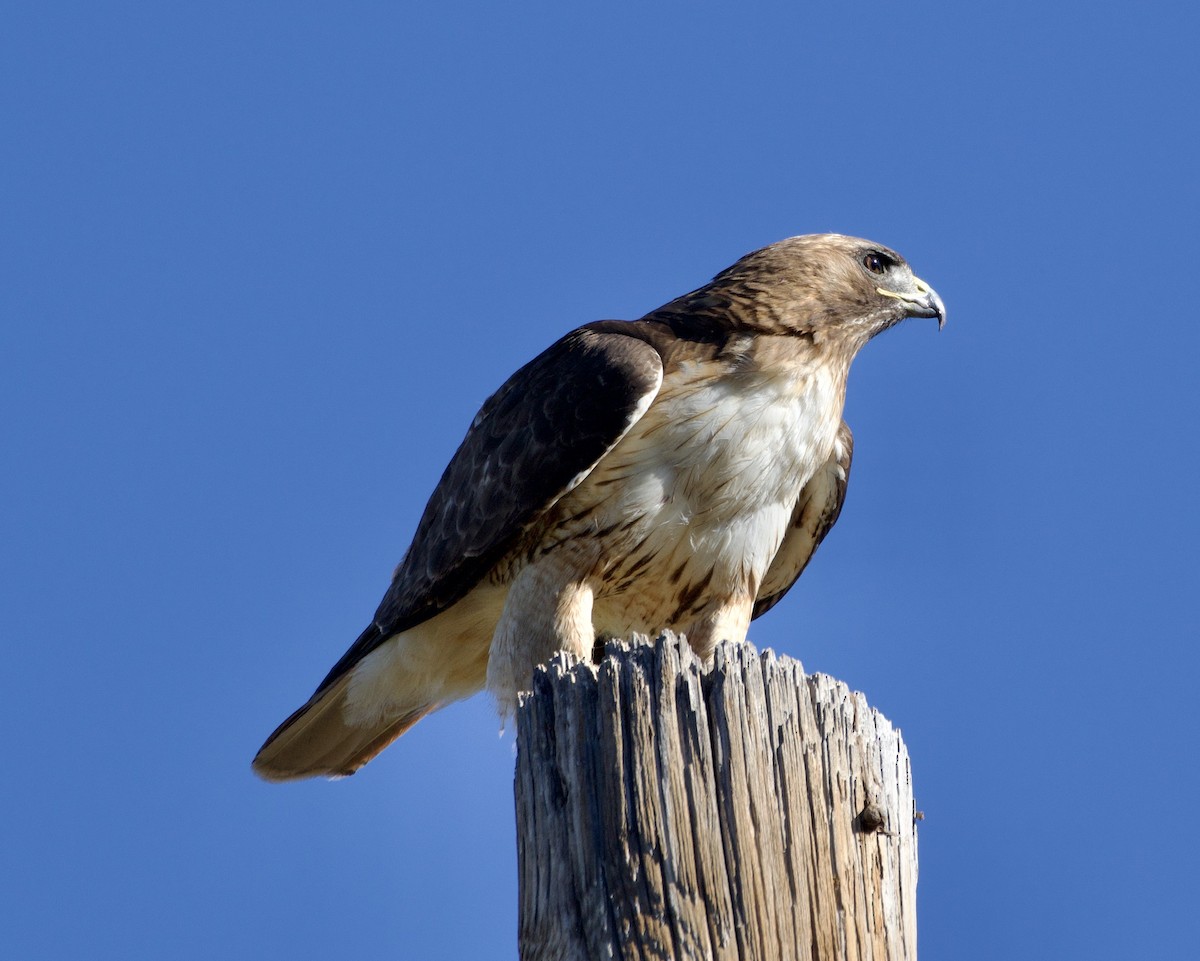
x=817, y=510
x=533, y=441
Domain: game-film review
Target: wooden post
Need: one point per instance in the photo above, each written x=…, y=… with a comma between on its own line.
x=744, y=811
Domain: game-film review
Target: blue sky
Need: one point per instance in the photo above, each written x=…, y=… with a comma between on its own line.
x=261, y=263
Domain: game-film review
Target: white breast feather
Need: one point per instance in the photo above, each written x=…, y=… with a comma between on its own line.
x=678, y=523
x=714, y=470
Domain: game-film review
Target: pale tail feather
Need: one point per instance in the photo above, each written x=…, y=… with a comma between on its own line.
x=318, y=741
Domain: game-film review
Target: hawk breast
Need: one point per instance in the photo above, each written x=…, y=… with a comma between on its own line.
x=695, y=500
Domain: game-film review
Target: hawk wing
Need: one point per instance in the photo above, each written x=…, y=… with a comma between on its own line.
x=533, y=441
x=817, y=510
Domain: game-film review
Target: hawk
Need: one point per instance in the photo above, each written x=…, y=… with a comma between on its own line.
x=673, y=472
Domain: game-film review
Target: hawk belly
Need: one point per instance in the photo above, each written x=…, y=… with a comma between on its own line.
x=676, y=526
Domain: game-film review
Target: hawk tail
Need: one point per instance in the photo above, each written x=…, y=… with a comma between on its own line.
x=319, y=741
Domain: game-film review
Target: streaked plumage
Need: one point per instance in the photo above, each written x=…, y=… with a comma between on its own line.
x=675, y=472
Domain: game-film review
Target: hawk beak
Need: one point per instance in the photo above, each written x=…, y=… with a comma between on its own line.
x=921, y=301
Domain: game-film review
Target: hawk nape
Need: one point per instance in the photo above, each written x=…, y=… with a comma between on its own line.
x=674, y=472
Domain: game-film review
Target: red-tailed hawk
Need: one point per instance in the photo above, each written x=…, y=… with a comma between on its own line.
x=674, y=472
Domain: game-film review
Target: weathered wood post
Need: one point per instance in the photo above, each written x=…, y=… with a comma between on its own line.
x=742, y=812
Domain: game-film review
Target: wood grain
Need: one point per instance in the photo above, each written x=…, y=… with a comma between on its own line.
x=744, y=810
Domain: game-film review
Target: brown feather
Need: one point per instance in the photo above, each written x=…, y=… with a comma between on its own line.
x=317, y=741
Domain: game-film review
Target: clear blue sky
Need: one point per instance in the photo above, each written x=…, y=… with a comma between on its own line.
x=261, y=263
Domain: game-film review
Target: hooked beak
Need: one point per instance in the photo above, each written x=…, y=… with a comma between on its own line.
x=921, y=301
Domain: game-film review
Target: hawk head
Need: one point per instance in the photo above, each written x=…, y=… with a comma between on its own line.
x=835, y=290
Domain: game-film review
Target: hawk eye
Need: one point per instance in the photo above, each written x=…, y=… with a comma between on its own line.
x=875, y=263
